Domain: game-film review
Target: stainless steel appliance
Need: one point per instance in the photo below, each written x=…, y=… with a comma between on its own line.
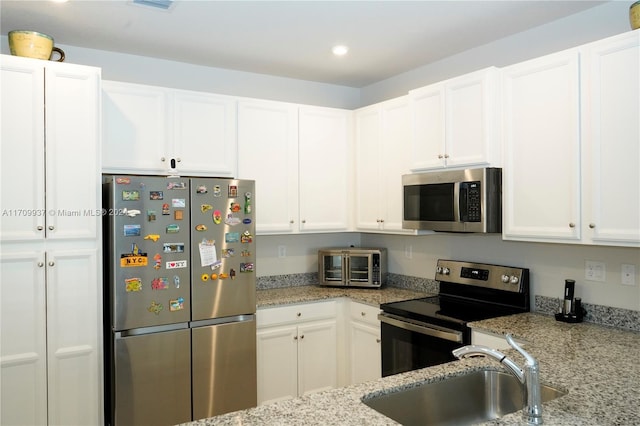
x=422, y=332
x=180, y=332
x=467, y=200
x=352, y=267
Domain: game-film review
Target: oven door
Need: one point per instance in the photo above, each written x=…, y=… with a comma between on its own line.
x=409, y=345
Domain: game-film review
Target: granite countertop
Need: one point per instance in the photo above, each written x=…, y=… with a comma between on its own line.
x=310, y=293
x=596, y=365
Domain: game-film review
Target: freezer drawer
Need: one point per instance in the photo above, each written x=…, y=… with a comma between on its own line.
x=152, y=379
x=224, y=367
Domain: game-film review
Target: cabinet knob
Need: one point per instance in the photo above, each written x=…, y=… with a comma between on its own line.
x=363, y=313
x=378, y=340
x=592, y=225
x=40, y=264
x=295, y=337
x=291, y=221
x=304, y=221
x=179, y=160
x=446, y=156
x=299, y=314
x=572, y=225
x=40, y=227
x=51, y=227
x=52, y=263
x=163, y=159
x=302, y=337
x=440, y=156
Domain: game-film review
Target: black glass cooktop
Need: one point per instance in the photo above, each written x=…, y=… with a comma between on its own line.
x=446, y=310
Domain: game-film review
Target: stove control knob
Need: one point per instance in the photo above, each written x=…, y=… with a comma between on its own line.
x=515, y=280
x=439, y=270
x=505, y=278
x=445, y=271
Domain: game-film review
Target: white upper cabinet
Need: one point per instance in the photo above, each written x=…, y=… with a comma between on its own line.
x=299, y=157
x=541, y=174
x=611, y=140
x=268, y=154
x=155, y=130
x=571, y=147
x=324, y=168
x=382, y=156
x=50, y=156
x=455, y=123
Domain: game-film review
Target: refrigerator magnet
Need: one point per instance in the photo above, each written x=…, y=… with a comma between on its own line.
x=232, y=220
x=123, y=180
x=157, y=261
x=173, y=247
x=173, y=228
x=176, y=264
x=161, y=283
x=130, y=260
x=178, y=214
x=205, y=207
x=152, y=237
x=201, y=227
x=132, y=285
x=155, y=308
x=246, y=237
x=232, y=274
x=178, y=203
x=233, y=191
x=130, y=195
x=132, y=230
x=176, y=281
x=235, y=207
x=151, y=215
x=156, y=195
x=176, y=304
x=232, y=237
x=165, y=209
x=217, y=191
x=201, y=189
x=226, y=253
x=217, y=217
x=246, y=267
x=176, y=185
x=204, y=277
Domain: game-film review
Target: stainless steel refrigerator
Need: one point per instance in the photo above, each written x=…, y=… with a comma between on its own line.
x=180, y=286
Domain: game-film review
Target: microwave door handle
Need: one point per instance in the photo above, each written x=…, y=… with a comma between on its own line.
x=346, y=273
x=456, y=201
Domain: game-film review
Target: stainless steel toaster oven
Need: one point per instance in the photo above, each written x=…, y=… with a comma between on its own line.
x=352, y=267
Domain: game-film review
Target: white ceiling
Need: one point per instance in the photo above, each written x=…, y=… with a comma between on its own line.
x=290, y=39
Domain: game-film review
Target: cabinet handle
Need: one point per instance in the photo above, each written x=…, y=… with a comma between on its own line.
x=572, y=225
x=52, y=263
x=40, y=227
x=40, y=264
x=592, y=225
x=51, y=227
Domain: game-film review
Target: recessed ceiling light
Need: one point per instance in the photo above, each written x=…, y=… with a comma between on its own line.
x=340, y=50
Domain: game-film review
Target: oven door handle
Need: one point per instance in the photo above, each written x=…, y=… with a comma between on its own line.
x=427, y=329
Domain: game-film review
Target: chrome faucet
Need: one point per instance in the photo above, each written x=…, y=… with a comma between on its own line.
x=529, y=376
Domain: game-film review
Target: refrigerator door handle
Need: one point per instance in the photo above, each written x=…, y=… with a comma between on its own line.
x=224, y=320
x=150, y=330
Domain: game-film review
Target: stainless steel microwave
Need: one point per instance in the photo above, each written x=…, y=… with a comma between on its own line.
x=352, y=267
x=467, y=200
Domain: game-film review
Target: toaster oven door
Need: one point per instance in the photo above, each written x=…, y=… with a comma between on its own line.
x=332, y=268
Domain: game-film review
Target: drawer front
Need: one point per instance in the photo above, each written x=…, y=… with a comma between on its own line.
x=364, y=313
x=288, y=314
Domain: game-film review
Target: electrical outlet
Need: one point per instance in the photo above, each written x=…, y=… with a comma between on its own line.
x=282, y=251
x=408, y=251
x=628, y=274
x=594, y=271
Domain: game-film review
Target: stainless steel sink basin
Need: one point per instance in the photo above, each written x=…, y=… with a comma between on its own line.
x=475, y=397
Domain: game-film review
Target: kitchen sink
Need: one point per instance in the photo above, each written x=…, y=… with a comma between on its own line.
x=474, y=397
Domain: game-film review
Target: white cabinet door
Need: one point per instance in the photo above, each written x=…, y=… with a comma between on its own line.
x=268, y=154
x=73, y=191
x=382, y=154
x=367, y=158
x=73, y=339
x=366, y=356
x=23, y=212
x=541, y=175
x=23, y=333
x=324, y=169
x=204, y=133
x=135, y=128
x=611, y=151
x=317, y=357
x=277, y=354
x=455, y=123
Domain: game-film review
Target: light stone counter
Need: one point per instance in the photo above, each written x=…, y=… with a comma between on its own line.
x=598, y=366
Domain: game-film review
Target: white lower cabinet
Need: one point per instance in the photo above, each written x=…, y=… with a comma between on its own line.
x=296, y=350
x=365, y=362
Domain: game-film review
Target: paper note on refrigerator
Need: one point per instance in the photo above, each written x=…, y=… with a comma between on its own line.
x=208, y=254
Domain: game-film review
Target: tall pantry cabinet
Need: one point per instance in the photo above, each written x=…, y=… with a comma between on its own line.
x=50, y=267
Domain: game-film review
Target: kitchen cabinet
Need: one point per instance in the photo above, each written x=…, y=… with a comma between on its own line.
x=50, y=267
x=455, y=123
x=382, y=151
x=365, y=356
x=156, y=130
x=299, y=158
x=492, y=340
x=571, y=146
x=296, y=350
